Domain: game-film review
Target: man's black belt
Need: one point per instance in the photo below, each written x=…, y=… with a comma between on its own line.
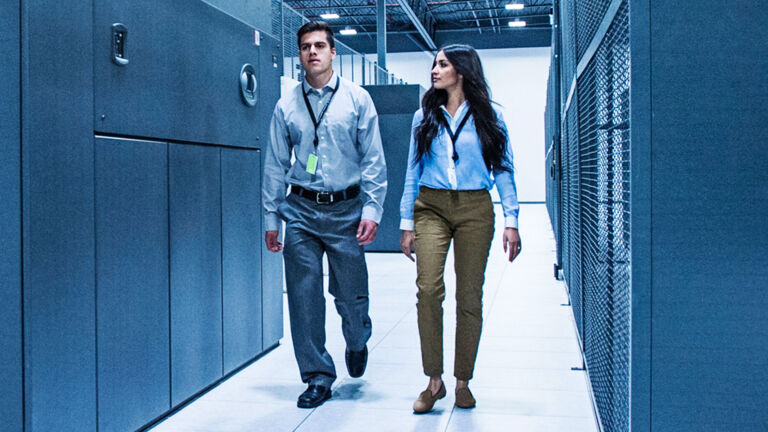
x=326, y=197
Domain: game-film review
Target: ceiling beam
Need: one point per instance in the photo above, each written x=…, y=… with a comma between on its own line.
x=425, y=28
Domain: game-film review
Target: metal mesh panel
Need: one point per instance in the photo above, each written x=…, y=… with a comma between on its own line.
x=568, y=47
x=573, y=257
x=550, y=120
x=603, y=108
x=589, y=15
x=277, y=18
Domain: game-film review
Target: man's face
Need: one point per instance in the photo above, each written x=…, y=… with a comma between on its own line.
x=315, y=53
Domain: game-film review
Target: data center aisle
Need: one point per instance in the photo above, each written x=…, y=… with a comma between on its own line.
x=523, y=377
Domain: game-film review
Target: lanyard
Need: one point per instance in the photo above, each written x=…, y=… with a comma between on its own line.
x=316, y=121
x=455, y=135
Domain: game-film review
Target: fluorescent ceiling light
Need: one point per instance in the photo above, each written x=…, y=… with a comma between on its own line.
x=517, y=24
x=514, y=6
x=348, y=31
x=329, y=15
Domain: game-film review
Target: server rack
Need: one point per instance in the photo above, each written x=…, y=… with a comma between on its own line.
x=136, y=274
x=658, y=114
x=395, y=105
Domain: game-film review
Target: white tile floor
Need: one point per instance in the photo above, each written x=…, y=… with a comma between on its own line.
x=523, y=378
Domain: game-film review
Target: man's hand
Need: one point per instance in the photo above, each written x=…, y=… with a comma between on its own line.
x=270, y=238
x=512, y=242
x=366, y=232
x=406, y=243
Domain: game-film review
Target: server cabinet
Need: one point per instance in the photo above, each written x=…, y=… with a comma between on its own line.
x=271, y=263
x=183, y=76
x=132, y=312
x=114, y=266
x=195, y=259
x=241, y=256
x=662, y=210
x=58, y=216
x=11, y=401
x=395, y=105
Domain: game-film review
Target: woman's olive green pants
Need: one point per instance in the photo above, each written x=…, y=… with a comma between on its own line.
x=467, y=218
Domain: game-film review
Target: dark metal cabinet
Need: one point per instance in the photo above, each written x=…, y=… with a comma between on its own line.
x=182, y=79
x=195, y=258
x=131, y=209
x=241, y=241
x=132, y=282
x=11, y=401
x=662, y=210
x=58, y=216
x=272, y=290
x=708, y=240
x=395, y=105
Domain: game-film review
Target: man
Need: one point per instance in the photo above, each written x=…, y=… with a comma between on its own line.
x=337, y=182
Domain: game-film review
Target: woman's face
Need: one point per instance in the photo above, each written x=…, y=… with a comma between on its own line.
x=444, y=75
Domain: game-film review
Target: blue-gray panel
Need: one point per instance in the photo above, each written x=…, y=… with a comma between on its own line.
x=395, y=136
x=271, y=290
x=709, y=239
x=58, y=222
x=133, y=333
x=641, y=246
x=241, y=257
x=271, y=263
x=270, y=59
x=257, y=13
x=195, y=224
x=395, y=106
x=11, y=399
x=396, y=99
x=179, y=88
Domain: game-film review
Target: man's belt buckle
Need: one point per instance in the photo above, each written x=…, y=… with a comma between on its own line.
x=324, y=198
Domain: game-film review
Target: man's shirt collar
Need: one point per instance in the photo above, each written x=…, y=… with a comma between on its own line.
x=331, y=84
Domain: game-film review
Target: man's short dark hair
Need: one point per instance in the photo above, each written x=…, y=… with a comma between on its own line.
x=314, y=26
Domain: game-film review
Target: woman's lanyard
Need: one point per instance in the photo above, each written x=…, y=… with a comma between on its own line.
x=455, y=135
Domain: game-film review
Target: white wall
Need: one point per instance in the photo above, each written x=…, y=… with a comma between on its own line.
x=518, y=81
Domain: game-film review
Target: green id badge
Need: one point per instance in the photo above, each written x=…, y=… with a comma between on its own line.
x=312, y=163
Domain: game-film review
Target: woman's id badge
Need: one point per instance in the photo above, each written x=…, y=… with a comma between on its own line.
x=312, y=163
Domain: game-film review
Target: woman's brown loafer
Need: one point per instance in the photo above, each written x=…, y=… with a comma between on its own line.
x=427, y=400
x=464, y=398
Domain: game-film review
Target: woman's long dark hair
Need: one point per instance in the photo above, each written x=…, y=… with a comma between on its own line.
x=492, y=136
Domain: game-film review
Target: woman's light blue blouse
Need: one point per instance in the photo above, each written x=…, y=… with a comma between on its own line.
x=437, y=170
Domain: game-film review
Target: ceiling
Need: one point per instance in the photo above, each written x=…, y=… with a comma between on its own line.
x=427, y=24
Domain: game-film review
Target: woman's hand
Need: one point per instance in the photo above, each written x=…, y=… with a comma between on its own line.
x=406, y=243
x=511, y=243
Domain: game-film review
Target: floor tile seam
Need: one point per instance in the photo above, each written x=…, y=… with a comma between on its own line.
x=483, y=411
x=304, y=420
x=341, y=379
x=545, y=337
x=330, y=403
x=496, y=290
x=532, y=351
x=480, y=387
x=564, y=368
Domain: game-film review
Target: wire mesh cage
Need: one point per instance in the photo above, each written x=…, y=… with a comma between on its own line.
x=594, y=202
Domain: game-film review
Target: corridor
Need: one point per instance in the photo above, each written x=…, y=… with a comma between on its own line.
x=523, y=378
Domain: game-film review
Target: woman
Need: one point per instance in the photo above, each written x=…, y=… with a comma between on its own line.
x=459, y=148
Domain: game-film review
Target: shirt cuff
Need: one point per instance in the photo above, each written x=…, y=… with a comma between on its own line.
x=271, y=222
x=510, y=222
x=406, y=224
x=371, y=212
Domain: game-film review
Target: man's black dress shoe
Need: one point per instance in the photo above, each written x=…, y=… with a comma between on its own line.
x=356, y=361
x=314, y=396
